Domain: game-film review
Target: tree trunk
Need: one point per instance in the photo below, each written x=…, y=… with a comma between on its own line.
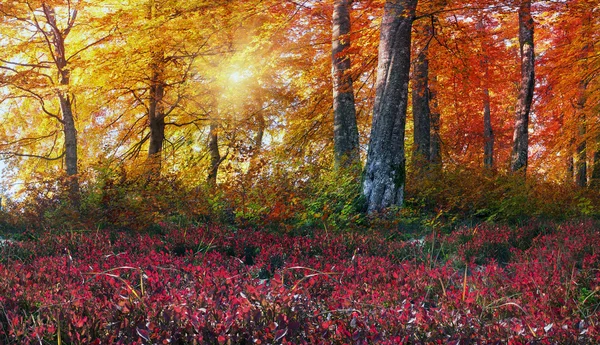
x=215, y=156
x=156, y=109
x=156, y=115
x=421, y=111
x=488, y=133
x=595, y=178
x=581, y=163
x=384, y=176
x=345, y=131
x=521, y=134
x=436, y=141
x=70, y=132
x=66, y=106
x=570, y=169
x=258, y=141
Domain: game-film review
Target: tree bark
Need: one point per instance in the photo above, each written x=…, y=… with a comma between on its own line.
x=570, y=169
x=66, y=106
x=581, y=153
x=421, y=111
x=488, y=132
x=436, y=141
x=595, y=178
x=255, y=152
x=345, y=130
x=156, y=111
x=521, y=134
x=215, y=155
x=581, y=162
x=384, y=176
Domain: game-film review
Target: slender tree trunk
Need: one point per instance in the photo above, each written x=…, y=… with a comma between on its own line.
x=384, y=176
x=66, y=106
x=260, y=133
x=215, y=155
x=421, y=111
x=258, y=141
x=581, y=163
x=346, y=149
x=436, y=141
x=488, y=132
x=595, y=178
x=521, y=134
x=570, y=169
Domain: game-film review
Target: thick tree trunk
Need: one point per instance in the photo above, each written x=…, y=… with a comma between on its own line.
x=421, y=111
x=436, y=141
x=215, y=155
x=156, y=109
x=521, y=134
x=384, y=176
x=156, y=116
x=70, y=132
x=66, y=106
x=346, y=149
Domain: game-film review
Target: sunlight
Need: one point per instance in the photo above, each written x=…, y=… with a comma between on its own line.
x=238, y=76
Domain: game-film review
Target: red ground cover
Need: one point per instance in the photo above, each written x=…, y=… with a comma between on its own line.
x=484, y=285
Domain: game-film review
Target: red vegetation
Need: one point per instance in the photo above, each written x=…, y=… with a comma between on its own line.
x=487, y=284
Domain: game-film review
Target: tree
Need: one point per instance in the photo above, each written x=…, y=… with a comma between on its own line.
x=488, y=132
x=421, y=99
x=521, y=131
x=581, y=166
x=346, y=149
x=38, y=72
x=436, y=140
x=384, y=176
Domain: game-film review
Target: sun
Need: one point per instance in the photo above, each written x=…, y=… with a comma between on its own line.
x=238, y=76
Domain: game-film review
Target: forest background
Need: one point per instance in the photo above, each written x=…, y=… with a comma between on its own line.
x=131, y=113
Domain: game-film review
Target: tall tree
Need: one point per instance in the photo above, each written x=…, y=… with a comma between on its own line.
x=521, y=130
x=215, y=155
x=346, y=149
x=595, y=178
x=488, y=133
x=55, y=37
x=39, y=65
x=436, y=140
x=156, y=108
x=384, y=176
x=420, y=101
x=581, y=167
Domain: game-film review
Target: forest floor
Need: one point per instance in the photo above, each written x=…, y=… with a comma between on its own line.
x=534, y=284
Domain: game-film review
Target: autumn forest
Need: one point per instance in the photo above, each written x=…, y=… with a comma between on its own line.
x=299, y=171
